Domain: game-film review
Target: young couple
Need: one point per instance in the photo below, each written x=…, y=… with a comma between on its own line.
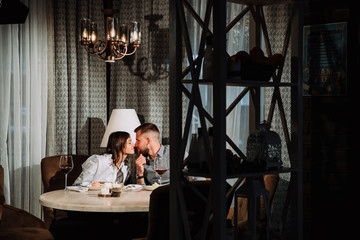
x=113, y=166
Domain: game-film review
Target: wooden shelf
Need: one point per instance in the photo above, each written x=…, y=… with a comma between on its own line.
x=259, y=2
x=246, y=174
x=247, y=83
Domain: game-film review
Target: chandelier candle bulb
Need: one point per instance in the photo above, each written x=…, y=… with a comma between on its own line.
x=124, y=34
x=85, y=34
x=134, y=37
x=135, y=33
x=93, y=32
x=112, y=33
x=123, y=38
x=84, y=31
x=112, y=29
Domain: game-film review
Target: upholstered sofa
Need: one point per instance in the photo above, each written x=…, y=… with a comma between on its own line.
x=16, y=223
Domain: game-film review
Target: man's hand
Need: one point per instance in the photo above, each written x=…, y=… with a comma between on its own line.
x=140, y=162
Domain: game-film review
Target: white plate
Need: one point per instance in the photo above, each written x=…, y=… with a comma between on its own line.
x=133, y=188
x=91, y=188
x=149, y=187
x=102, y=185
x=78, y=188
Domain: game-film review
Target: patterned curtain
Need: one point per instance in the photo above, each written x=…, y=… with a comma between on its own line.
x=277, y=17
x=79, y=87
x=139, y=81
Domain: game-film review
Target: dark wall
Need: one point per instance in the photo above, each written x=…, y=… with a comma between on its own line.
x=328, y=131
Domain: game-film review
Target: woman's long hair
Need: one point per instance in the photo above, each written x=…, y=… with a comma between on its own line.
x=116, y=143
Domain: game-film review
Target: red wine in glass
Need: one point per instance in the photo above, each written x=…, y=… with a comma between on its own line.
x=66, y=164
x=160, y=167
x=160, y=171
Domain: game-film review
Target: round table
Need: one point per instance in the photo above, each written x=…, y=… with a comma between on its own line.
x=90, y=202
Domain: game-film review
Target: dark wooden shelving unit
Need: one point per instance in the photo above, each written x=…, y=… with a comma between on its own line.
x=179, y=132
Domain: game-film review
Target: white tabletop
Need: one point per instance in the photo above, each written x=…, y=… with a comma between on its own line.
x=90, y=202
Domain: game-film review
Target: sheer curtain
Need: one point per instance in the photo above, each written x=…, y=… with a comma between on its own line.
x=23, y=64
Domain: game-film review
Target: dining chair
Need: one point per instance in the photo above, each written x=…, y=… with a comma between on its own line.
x=54, y=179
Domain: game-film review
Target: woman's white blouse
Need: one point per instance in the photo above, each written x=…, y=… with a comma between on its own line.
x=100, y=168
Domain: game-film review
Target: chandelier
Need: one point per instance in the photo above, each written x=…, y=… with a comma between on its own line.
x=120, y=40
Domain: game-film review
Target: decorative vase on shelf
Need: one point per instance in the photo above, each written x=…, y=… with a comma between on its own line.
x=263, y=150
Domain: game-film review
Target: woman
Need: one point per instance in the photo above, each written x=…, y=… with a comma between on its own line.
x=111, y=166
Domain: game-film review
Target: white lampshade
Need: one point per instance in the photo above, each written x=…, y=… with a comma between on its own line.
x=125, y=120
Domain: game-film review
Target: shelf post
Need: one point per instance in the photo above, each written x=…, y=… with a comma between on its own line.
x=254, y=41
x=297, y=115
x=219, y=105
x=175, y=46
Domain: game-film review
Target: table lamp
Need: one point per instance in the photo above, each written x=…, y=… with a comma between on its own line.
x=121, y=120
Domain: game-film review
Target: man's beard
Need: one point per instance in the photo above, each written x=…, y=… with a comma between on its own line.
x=139, y=151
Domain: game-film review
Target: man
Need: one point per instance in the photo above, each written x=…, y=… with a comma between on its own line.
x=148, y=145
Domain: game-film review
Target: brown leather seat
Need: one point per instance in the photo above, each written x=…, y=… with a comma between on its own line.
x=54, y=179
x=16, y=223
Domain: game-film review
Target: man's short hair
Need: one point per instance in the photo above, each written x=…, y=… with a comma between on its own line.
x=147, y=127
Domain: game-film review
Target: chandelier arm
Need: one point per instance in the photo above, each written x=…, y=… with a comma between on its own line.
x=99, y=56
x=128, y=54
x=117, y=52
x=120, y=51
x=98, y=45
x=122, y=56
x=86, y=47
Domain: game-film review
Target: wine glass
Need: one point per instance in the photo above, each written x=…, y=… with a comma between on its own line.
x=66, y=164
x=160, y=167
